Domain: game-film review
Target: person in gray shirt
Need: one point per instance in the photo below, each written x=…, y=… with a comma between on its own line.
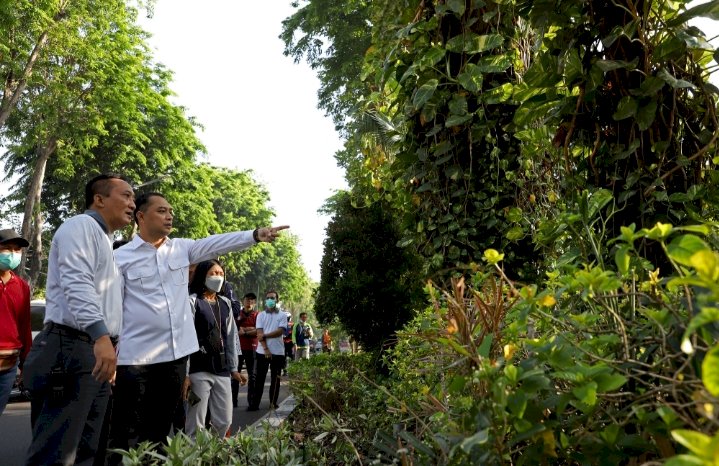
x=73, y=359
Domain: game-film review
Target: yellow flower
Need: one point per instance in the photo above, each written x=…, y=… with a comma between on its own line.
x=509, y=351
x=654, y=277
x=547, y=301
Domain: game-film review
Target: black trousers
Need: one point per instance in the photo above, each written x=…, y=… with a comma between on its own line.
x=275, y=365
x=246, y=358
x=68, y=404
x=145, y=400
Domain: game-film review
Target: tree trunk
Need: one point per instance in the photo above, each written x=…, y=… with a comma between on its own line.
x=34, y=195
x=36, y=258
x=13, y=90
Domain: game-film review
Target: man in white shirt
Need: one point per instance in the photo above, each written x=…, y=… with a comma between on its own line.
x=271, y=325
x=158, y=333
x=73, y=358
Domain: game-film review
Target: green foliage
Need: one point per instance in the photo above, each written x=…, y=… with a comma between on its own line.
x=269, y=446
x=368, y=283
x=340, y=406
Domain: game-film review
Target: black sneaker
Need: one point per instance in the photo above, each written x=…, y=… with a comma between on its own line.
x=253, y=408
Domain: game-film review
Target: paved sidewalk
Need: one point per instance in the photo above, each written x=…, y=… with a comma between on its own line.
x=277, y=416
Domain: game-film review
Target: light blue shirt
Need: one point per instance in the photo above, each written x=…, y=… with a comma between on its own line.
x=84, y=287
x=158, y=324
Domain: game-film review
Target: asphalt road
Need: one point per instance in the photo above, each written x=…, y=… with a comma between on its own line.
x=15, y=432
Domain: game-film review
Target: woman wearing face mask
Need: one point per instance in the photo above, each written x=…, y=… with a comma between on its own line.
x=15, y=333
x=208, y=382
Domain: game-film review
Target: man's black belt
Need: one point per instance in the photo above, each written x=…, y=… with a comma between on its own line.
x=59, y=329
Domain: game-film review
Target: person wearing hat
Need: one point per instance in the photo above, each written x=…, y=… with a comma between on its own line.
x=15, y=333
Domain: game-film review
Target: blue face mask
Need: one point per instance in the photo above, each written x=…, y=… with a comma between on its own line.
x=270, y=303
x=9, y=260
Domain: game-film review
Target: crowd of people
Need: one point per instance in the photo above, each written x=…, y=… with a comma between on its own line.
x=139, y=339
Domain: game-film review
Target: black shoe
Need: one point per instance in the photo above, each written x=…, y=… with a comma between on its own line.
x=253, y=408
x=273, y=406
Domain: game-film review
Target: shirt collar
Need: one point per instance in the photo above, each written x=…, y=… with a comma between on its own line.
x=137, y=241
x=98, y=218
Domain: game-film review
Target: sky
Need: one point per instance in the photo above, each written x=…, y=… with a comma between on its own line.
x=258, y=107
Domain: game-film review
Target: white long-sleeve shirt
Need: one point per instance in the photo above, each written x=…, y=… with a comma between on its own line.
x=157, y=318
x=84, y=286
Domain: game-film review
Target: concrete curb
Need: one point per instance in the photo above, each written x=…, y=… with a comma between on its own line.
x=275, y=417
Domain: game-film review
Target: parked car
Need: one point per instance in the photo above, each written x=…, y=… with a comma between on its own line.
x=37, y=316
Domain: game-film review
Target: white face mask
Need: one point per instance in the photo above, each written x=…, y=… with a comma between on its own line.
x=214, y=283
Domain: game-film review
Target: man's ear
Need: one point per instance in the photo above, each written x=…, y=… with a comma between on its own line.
x=98, y=200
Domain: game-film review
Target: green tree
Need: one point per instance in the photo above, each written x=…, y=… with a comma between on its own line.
x=368, y=283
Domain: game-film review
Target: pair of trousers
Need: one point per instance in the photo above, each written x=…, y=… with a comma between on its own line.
x=145, y=399
x=68, y=404
x=303, y=352
x=247, y=358
x=214, y=392
x=7, y=380
x=274, y=364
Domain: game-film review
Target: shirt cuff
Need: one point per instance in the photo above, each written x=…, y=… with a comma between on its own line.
x=97, y=330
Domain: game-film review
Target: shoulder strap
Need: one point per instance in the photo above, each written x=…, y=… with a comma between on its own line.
x=193, y=303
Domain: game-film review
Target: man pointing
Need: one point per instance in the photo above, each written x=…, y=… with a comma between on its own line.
x=158, y=333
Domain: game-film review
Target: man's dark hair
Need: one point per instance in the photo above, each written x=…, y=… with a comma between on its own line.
x=302, y=314
x=249, y=295
x=277, y=296
x=99, y=185
x=142, y=201
x=197, y=286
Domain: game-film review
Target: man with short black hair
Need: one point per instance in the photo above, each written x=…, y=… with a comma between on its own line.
x=15, y=332
x=73, y=359
x=271, y=324
x=158, y=332
x=246, y=320
x=302, y=335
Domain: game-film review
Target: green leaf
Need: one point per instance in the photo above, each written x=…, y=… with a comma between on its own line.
x=708, y=9
x=626, y=108
x=706, y=263
x=707, y=315
x=424, y=93
x=622, y=258
x=478, y=44
x=486, y=345
x=471, y=78
x=710, y=371
x=696, y=442
x=587, y=393
x=674, y=82
x=494, y=63
x=609, y=65
x=515, y=233
x=609, y=382
x=701, y=229
x=649, y=87
x=479, y=438
x=514, y=215
x=457, y=6
x=683, y=247
x=684, y=460
x=498, y=94
x=430, y=58
x=456, y=120
x=646, y=115
x=660, y=231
